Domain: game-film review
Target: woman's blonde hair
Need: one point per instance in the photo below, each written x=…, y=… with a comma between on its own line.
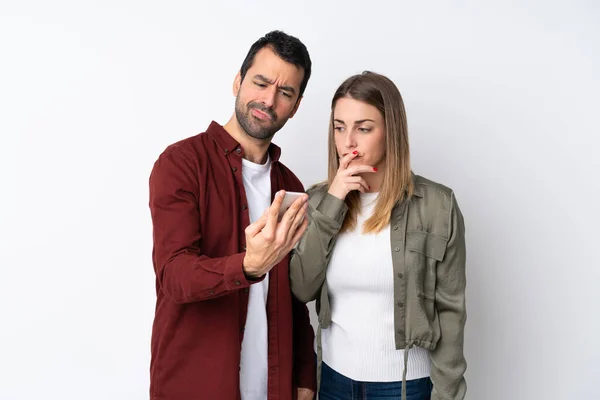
x=380, y=92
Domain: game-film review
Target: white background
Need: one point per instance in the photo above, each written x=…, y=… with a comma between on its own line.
x=502, y=100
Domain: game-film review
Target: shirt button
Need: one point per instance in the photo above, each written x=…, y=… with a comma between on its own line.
x=400, y=275
x=395, y=227
x=245, y=207
x=397, y=249
x=244, y=248
x=238, y=283
x=226, y=150
x=238, y=150
x=234, y=169
x=246, y=290
x=400, y=304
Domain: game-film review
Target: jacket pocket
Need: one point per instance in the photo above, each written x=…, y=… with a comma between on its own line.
x=424, y=251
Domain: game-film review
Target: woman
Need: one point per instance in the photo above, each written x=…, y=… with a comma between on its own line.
x=384, y=256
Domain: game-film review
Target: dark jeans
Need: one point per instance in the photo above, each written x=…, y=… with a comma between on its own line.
x=335, y=386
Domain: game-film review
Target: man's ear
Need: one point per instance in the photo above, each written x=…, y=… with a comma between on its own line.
x=237, y=83
x=296, y=107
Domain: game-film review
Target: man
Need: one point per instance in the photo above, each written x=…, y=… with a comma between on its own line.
x=226, y=324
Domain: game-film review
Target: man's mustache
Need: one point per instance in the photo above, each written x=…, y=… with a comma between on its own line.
x=263, y=108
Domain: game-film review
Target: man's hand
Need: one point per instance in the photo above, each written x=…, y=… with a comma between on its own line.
x=268, y=241
x=305, y=394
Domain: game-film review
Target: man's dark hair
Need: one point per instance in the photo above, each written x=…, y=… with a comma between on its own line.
x=288, y=48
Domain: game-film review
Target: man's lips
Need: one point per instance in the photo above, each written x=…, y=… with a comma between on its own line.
x=260, y=115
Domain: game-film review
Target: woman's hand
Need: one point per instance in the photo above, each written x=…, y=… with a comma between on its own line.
x=345, y=180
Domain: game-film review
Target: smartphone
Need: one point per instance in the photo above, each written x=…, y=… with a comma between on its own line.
x=288, y=200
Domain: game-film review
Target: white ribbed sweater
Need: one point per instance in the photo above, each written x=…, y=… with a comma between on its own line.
x=360, y=340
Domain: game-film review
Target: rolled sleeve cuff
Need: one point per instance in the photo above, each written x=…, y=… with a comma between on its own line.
x=234, y=273
x=333, y=208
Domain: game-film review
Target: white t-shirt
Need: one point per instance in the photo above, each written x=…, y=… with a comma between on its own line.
x=254, y=356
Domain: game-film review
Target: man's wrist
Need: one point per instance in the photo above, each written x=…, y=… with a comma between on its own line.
x=248, y=273
x=252, y=278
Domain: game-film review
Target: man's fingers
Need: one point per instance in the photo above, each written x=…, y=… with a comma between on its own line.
x=254, y=228
x=305, y=394
x=296, y=207
x=287, y=227
x=299, y=203
x=273, y=212
x=299, y=233
x=300, y=216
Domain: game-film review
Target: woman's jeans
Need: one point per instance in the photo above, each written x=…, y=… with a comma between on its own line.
x=335, y=386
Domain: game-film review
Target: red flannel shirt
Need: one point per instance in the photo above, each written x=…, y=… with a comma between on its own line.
x=199, y=213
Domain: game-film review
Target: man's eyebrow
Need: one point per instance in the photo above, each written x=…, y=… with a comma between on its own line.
x=263, y=78
x=270, y=82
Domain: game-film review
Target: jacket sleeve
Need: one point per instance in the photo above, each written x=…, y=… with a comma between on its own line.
x=448, y=361
x=309, y=260
x=183, y=272
x=305, y=361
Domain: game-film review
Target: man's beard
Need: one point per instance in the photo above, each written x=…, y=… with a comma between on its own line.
x=258, y=129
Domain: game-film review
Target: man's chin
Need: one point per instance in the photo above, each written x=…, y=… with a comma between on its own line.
x=261, y=122
x=261, y=134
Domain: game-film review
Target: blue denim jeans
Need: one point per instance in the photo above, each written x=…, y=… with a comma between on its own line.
x=335, y=386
